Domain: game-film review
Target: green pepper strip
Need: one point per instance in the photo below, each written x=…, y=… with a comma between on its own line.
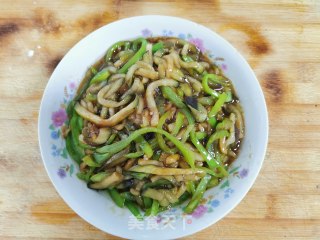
x=127, y=45
x=136, y=57
x=118, y=146
x=111, y=138
x=229, y=96
x=191, y=188
x=206, y=88
x=72, y=153
x=157, y=184
x=172, y=96
x=137, y=175
x=90, y=97
x=99, y=176
x=134, y=155
x=89, y=161
x=213, y=182
x=178, y=124
x=70, y=108
x=115, y=47
x=176, y=100
x=218, y=105
x=198, y=194
x=201, y=135
x=128, y=196
x=212, y=163
x=145, y=146
x=75, y=132
x=154, y=208
x=85, y=176
x=159, y=137
x=212, y=121
x=215, y=136
x=81, y=91
x=80, y=123
x=101, y=76
x=187, y=133
x=116, y=197
x=207, y=101
x=147, y=202
x=157, y=47
x=134, y=209
x=187, y=59
x=93, y=70
x=181, y=200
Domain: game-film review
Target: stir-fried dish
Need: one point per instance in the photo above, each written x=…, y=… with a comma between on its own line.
x=154, y=124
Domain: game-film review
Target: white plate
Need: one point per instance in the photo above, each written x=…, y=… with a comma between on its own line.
x=98, y=209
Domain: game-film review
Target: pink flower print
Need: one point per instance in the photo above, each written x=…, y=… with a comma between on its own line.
x=224, y=67
x=243, y=173
x=146, y=32
x=59, y=117
x=199, y=211
x=72, y=85
x=198, y=43
x=61, y=173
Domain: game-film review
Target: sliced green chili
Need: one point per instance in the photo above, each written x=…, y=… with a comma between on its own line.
x=157, y=47
x=147, y=202
x=85, y=176
x=99, y=176
x=75, y=132
x=178, y=124
x=208, y=158
x=229, y=96
x=134, y=209
x=176, y=100
x=154, y=208
x=212, y=121
x=181, y=200
x=191, y=188
x=201, y=135
x=101, y=76
x=89, y=161
x=81, y=91
x=187, y=58
x=187, y=133
x=116, y=197
x=115, y=47
x=218, y=105
x=198, y=194
x=91, y=97
x=118, y=146
x=206, y=88
x=172, y=96
x=136, y=57
x=215, y=136
x=128, y=196
x=145, y=146
x=206, y=101
x=213, y=182
x=93, y=70
x=70, y=109
x=161, y=142
x=158, y=184
x=135, y=154
x=111, y=138
x=71, y=151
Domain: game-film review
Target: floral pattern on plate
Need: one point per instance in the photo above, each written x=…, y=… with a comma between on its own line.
x=58, y=119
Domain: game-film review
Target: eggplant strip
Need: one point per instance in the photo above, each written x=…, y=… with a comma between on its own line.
x=112, y=121
x=150, y=98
